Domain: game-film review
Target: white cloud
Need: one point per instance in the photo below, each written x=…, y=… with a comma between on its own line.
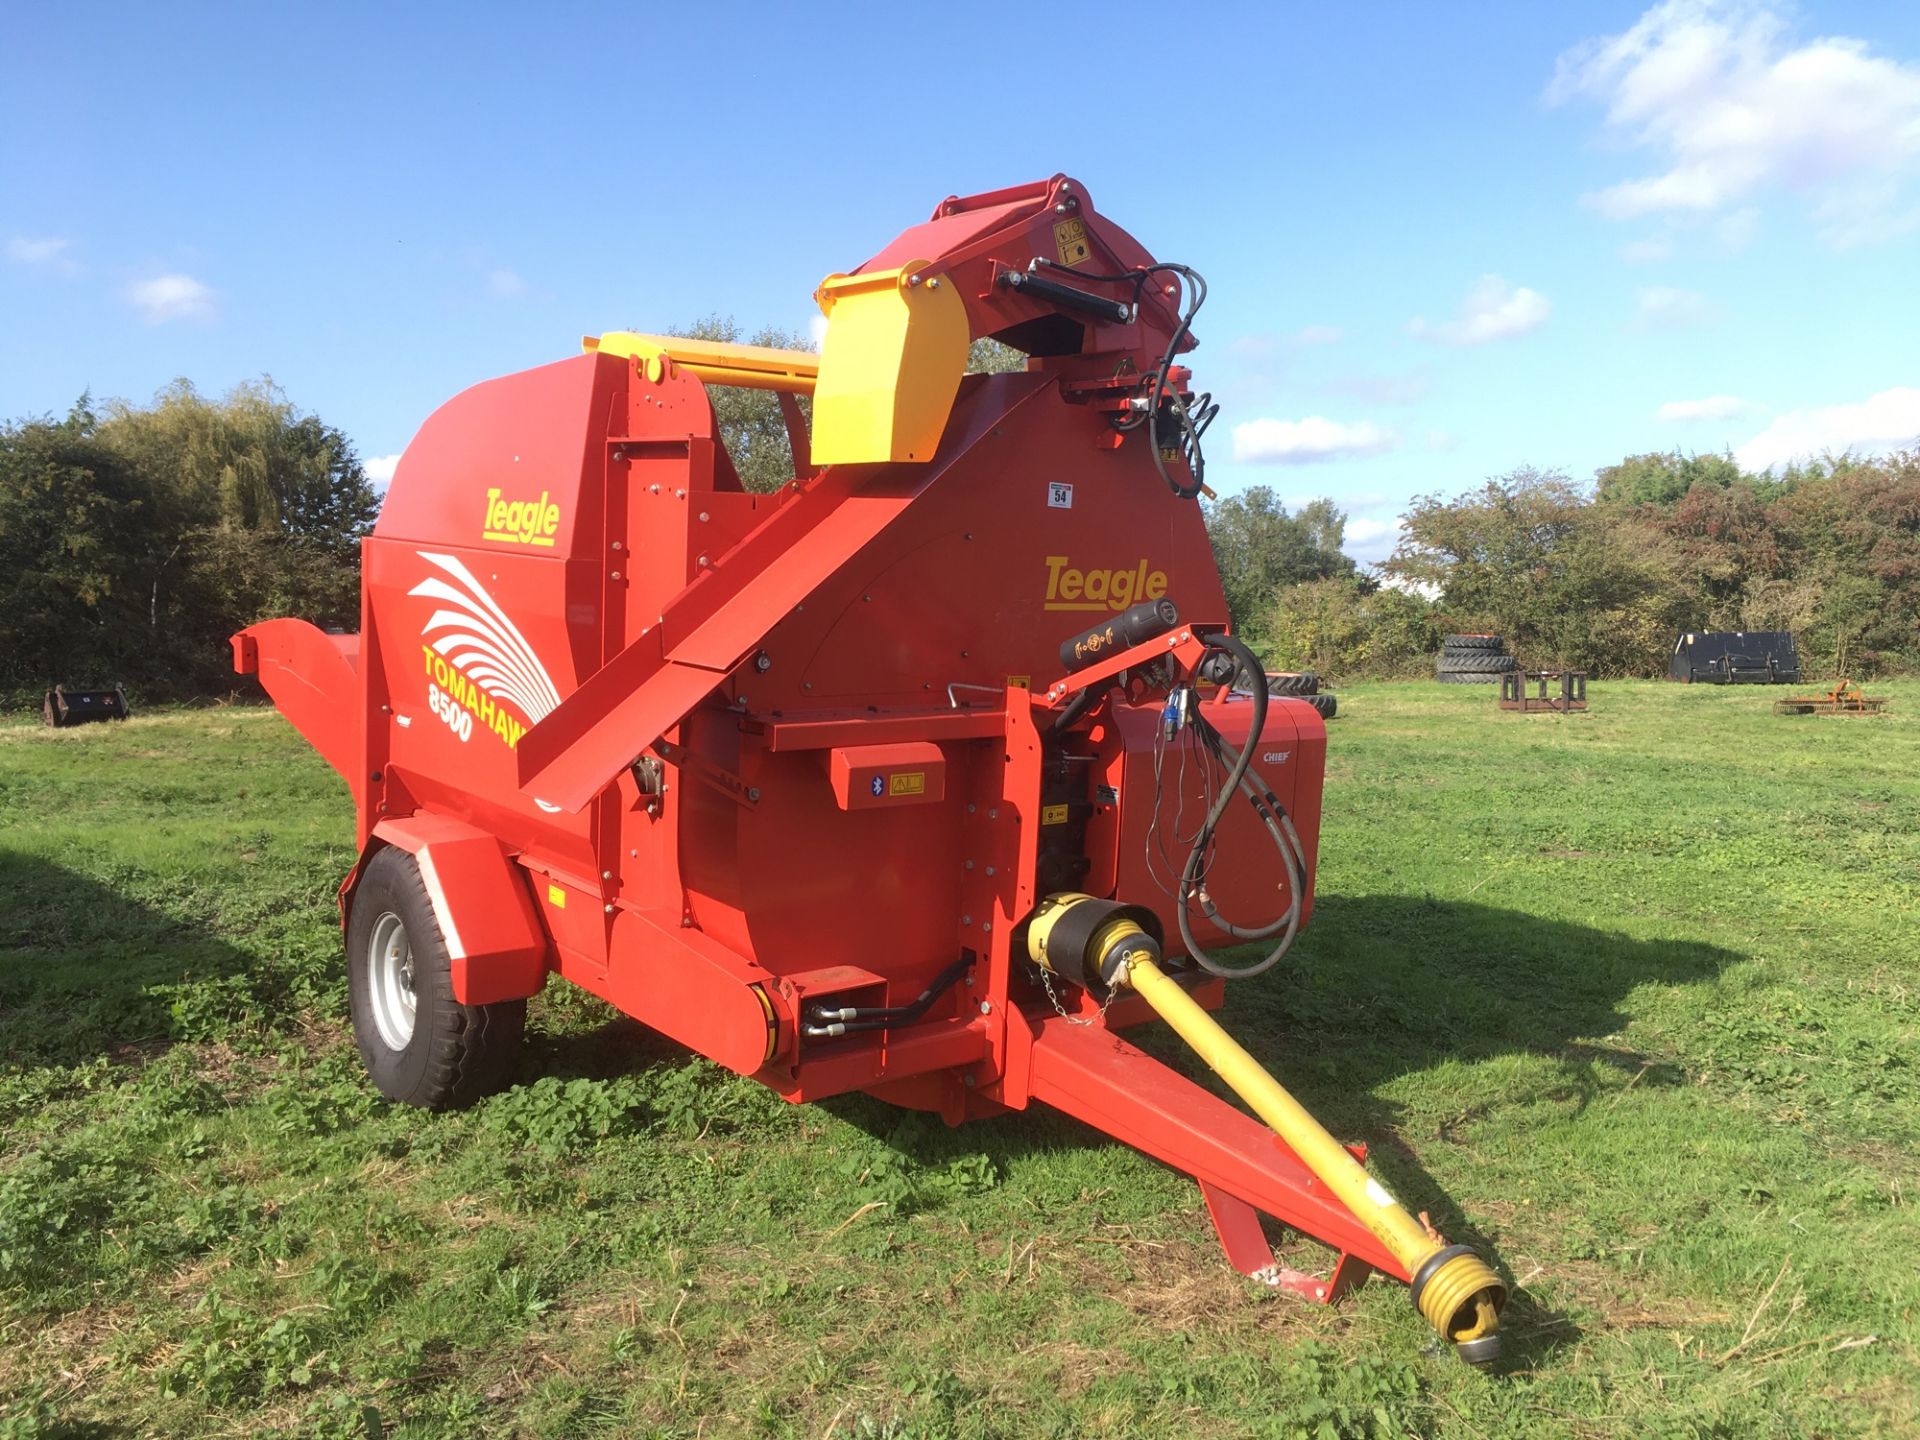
x=1318, y=335
x=170, y=297
x=1442, y=440
x=504, y=284
x=380, y=470
x=1649, y=251
x=1713, y=407
x=1889, y=420
x=1370, y=541
x=1303, y=442
x=1663, y=307
x=1493, y=310
x=1365, y=532
x=817, y=328
x=1732, y=108
x=49, y=252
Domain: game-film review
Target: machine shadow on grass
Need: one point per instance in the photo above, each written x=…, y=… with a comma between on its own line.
x=86, y=972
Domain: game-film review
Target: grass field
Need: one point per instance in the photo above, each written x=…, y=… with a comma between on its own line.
x=1631, y=998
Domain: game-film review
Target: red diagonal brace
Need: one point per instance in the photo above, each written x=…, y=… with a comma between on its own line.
x=1243, y=1168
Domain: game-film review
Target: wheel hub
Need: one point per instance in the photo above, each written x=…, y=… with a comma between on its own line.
x=390, y=991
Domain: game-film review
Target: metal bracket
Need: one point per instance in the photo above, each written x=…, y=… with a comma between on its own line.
x=650, y=774
x=705, y=771
x=1245, y=1241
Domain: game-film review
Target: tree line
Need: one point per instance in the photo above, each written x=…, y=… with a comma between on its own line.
x=1601, y=575
x=135, y=539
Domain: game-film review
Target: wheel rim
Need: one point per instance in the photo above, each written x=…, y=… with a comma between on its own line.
x=390, y=981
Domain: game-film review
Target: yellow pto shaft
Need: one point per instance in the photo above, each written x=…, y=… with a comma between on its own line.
x=1453, y=1288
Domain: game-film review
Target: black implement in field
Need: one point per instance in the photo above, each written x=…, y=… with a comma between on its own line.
x=1735, y=657
x=64, y=707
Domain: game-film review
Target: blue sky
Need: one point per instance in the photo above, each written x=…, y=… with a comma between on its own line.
x=1442, y=240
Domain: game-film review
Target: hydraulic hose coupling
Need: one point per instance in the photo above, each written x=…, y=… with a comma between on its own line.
x=1457, y=1293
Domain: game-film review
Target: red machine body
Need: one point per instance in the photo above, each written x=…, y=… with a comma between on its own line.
x=717, y=756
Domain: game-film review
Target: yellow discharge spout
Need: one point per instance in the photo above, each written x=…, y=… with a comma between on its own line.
x=1453, y=1288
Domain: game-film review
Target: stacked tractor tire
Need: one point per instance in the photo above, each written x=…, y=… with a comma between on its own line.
x=1473, y=660
x=1303, y=685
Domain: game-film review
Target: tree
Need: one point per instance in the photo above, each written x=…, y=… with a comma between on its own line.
x=250, y=461
x=987, y=356
x=1260, y=548
x=749, y=421
x=1568, y=582
x=1661, y=479
x=1343, y=626
x=72, y=516
x=132, y=545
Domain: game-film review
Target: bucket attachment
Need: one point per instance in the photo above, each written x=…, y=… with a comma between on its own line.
x=64, y=707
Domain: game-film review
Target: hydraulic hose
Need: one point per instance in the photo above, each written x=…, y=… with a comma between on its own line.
x=1286, y=839
x=824, y=1022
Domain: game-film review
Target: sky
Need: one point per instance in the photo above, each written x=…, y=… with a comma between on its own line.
x=1441, y=241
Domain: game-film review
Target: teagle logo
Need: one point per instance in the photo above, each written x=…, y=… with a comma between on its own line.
x=1100, y=590
x=521, y=522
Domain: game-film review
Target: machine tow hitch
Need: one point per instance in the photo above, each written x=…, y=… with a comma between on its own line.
x=1109, y=949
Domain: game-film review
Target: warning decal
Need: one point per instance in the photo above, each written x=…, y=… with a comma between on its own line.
x=908, y=782
x=1053, y=815
x=1070, y=239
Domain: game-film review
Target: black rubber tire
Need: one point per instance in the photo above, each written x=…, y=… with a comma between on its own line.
x=1464, y=664
x=1468, y=677
x=1293, y=682
x=457, y=1054
x=1474, y=642
x=1327, y=705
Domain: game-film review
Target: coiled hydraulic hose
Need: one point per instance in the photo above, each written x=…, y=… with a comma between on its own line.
x=1272, y=814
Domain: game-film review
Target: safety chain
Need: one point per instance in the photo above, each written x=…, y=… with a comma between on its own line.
x=1113, y=993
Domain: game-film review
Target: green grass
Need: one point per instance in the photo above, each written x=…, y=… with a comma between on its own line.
x=1628, y=997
